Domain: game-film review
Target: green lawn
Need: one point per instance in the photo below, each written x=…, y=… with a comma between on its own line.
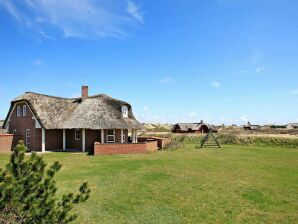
x=234, y=185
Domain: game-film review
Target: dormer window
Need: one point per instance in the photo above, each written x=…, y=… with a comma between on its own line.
x=124, y=111
x=24, y=110
x=18, y=111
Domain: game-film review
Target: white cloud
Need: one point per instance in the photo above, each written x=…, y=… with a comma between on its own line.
x=215, y=84
x=244, y=118
x=256, y=56
x=75, y=18
x=192, y=114
x=167, y=80
x=134, y=11
x=11, y=9
x=260, y=69
x=38, y=62
x=145, y=109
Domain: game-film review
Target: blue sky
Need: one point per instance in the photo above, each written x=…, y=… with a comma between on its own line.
x=222, y=61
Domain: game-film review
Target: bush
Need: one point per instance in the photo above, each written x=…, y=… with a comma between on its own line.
x=232, y=139
x=173, y=145
x=27, y=192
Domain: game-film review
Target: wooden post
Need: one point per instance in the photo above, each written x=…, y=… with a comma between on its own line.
x=83, y=140
x=136, y=136
x=43, y=140
x=64, y=139
x=122, y=136
x=133, y=136
x=102, y=131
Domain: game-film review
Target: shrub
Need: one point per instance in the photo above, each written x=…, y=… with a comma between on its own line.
x=173, y=145
x=27, y=192
x=232, y=139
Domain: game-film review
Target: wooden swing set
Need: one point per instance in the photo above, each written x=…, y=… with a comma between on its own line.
x=209, y=141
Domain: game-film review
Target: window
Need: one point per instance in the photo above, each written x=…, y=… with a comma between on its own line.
x=124, y=111
x=77, y=134
x=28, y=138
x=14, y=131
x=18, y=111
x=24, y=110
x=111, y=135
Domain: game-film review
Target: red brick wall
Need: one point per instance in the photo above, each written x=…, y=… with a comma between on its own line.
x=101, y=149
x=71, y=143
x=54, y=139
x=8, y=142
x=20, y=124
x=126, y=148
x=91, y=137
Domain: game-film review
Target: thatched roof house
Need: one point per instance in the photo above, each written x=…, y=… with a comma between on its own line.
x=53, y=122
x=250, y=126
x=94, y=112
x=190, y=128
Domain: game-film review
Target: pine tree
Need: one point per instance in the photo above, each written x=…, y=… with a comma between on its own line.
x=28, y=192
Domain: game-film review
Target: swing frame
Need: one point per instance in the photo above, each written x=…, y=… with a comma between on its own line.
x=209, y=145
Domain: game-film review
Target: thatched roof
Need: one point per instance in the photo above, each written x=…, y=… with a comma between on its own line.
x=95, y=112
x=190, y=126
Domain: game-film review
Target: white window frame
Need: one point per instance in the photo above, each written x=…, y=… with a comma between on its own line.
x=18, y=111
x=113, y=136
x=124, y=110
x=78, y=134
x=28, y=136
x=24, y=110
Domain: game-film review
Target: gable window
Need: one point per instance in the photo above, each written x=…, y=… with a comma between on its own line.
x=77, y=134
x=111, y=136
x=124, y=111
x=18, y=111
x=24, y=110
x=28, y=138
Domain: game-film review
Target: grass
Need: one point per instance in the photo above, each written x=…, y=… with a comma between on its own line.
x=238, y=184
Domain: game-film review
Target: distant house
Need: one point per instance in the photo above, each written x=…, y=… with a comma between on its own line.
x=292, y=126
x=252, y=127
x=50, y=123
x=190, y=128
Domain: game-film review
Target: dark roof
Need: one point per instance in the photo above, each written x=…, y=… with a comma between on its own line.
x=95, y=112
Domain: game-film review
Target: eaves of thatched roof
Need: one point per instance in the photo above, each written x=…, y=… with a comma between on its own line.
x=95, y=112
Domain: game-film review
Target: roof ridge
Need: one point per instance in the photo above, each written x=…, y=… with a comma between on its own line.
x=68, y=98
x=57, y=97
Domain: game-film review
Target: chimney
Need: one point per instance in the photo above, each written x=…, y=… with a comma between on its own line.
x=84, y=92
